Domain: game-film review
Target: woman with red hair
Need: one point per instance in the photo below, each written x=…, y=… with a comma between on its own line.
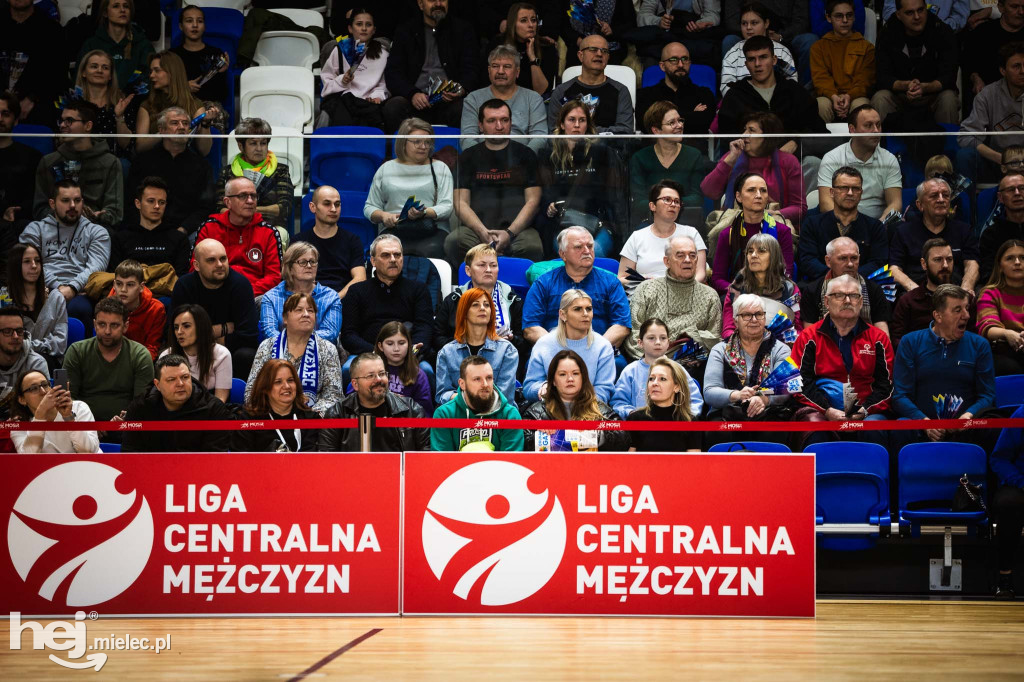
x=475, y=335
x=277, y=396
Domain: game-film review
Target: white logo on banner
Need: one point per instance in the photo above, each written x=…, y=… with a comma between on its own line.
x=77, y=537
x=492, y=531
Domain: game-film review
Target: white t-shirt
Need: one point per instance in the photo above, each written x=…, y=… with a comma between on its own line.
x=648, y=251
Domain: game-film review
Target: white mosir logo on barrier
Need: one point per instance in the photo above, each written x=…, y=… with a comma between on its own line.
x=493, y=532
x=77, y=537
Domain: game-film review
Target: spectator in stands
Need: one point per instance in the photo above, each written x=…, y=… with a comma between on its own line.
x=825, y=354
x=614, y=20
x=116, y=112
x=695, y=104
x=842, y=64
x=108, y=370
x=16, y=357
x=192, y=338
x=662, y=22
x=36, y=401
x=88, y=163
x=1008, y=225
x=121, y=38
x=538, y=54
x=917, y=61
x=996, y=108
x=690, y=308
x=765, y=156
x=170, y=88
x=667, y=159
x=71, y=246
x=388, y=296
x=254, y=246
x=498, y=194
x=999, y=309
x=405, y=378
x=275, y=188
x=755, y=20
x=44, y=310
x=227, y=296
x=751, y=197
x=315, y=357
x=631, y=386
x=842, y=257
x=476, y=334
x=187, y=175
x=341, y=252
x=568, y=394
x=608, y=100
x=669, y=397
x=644, y=251
x=575, y=332
x=277, y=396
x=763, y=274
x=582, y=179
x=146, y=316
x=791, y=25
x=205, y=65
x=1008, y=502
x=18, y=163
x=354, y=94
x=434, y=46
x=299, y=270
x=152, y=240
x=981, y=63
x=952, y=12
x=372, y=397
x=933, y=221
x=843, y=219
x=914, y=309
x=881, y=178
x=31, y=37
x=477, y=397
x=527, y=115
x=413, y=172
x=175, y=397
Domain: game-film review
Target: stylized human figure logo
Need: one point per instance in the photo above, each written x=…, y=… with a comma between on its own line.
x=493, y=533
x=80, y=534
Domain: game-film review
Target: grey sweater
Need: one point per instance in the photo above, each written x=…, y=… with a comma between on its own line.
x=528, y=116
x=994, y=109
x=71, y=253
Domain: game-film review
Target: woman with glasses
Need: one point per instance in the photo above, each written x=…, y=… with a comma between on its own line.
x=121, y=38
x=169, y=88
x=298, y=270
x=1001, y=309
x=277, y=396
x=117, y=112
x=255, y=161
x=763, y=275
x=644, y=251
x=36, y=401
x=44, y=311
x=315, y=358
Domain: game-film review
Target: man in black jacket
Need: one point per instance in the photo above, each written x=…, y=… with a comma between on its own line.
x=694, y=103
x=372, y=397
x=175, y=397
x=432, y=46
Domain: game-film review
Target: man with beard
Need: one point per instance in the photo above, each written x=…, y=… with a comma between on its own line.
x=695, y=104
x=914, y=308
x=16, y=357
x=1010, y=225
x=610, y=105
x=371, y=396
x=842, y=256
x=526, y=108
x=341, y=252
x=430, y=46
x=476, y=399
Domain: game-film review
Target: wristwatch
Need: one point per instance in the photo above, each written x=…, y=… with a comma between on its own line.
x=534, y=62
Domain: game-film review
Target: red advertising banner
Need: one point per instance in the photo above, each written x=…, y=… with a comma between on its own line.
x=728, y=534
x=203, y=534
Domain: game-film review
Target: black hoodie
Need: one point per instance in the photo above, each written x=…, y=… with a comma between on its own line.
x=202, y=405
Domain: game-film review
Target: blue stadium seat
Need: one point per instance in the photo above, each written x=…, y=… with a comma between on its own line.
x=441, y=143
x=345, y=162
x=306, y=219
x=985, y=203
x=237, y=395
x=43, y=144
x=216, y=156
x=511, y=271
x=852, y=485
x=751, y=445
x=76, y=330
x=651, y=75
x=1009, y=390
x=110, y=447
x=928, y=477
x=700, y=74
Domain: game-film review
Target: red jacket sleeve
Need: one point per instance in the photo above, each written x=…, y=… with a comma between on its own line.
x=273, y=254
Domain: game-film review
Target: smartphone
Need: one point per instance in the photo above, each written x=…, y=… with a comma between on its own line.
x=60, y=378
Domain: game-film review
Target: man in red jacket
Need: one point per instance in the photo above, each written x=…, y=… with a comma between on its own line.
x=846, y=365
x=254, y=246
x=146, y=314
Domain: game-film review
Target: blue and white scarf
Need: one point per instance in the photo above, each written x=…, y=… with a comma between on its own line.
x=500, y=327
x=309, y=369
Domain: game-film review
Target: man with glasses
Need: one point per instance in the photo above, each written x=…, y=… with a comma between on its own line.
x=611, y=107
x=914, y=309
x=88, y=162
x=844, y=219
x=253, y=245
x=372, y=396
x=16, y=357
x=526, y=108
x=1009, y=225
x=299, y=271
x=996, y=108
x=842, y=256
x=695, y=103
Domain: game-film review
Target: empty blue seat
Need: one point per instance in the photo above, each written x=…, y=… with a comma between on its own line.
x=441, y=143
x=1009, y=390
x=110, y=447
x=928, y=476
x=511, y=271
x=345, y=162
x=76, y=330
x=852, y=485
x=985, y=203
x=43, y=144
x=306, y=218
x=237, y=395
x=651, y=75
x=750, y=445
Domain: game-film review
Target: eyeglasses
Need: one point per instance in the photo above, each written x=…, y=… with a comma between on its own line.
x=37, y=388
x=244, y=196
x=596, y=50
x=848, y=189
x=1013, y=189
x=844, y=16
x=67, y=120
x=419, y=143
x=842, y=297
x=1014, y=164
x=371, y=377
x=308, y=263
x=747, y=317
x=676, y=60
x=669, y=201
x=11, y=331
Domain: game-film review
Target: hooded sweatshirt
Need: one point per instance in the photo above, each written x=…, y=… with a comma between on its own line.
x=146, y=323
x=71, y=253
x=99, y=176
x=843, y=65
x=254, y=250
x=498, y=440
x=28, y=361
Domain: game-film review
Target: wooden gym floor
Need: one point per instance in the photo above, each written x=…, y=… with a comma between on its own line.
x=848, y=640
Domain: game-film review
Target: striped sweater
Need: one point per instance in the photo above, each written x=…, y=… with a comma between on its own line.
x=1001, y=309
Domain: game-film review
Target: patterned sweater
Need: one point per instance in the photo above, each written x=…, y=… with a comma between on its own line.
x=689, y=307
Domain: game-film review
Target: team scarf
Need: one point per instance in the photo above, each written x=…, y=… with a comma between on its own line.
x=309, y=368
x=268, y=167
x=499, y=315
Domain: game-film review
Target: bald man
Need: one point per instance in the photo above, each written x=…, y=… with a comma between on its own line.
x=341, y=253
x=613, y=112
x=695, y=103
x=227, y=297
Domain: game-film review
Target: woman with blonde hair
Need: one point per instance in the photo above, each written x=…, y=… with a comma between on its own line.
x=668, y=400
x=170, y=88
x=764, y=275
x=117, y=111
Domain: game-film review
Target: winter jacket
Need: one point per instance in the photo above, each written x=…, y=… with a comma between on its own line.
x=99, y=176
x=71, y=254
x=843, y=65
x=455, y=440
x=202, y=405
x=793, y=104
x=609, y=441
x=384, y=439
x=146, y=323
x=456, y=50
x=502, y=356
x=939, y=58
x=28, y=361
x=254, y=250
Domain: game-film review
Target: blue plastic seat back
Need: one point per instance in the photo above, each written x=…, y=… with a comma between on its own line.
x=1009, y=390
x=110, y=447
x=345, y=162
x=442, y=142
x=986, y=202
x=43, y=144
x=749, y=445
x=511, y=271
x=651, y=75
x=853, y=481
x=237, y=395
x=931, y=471
x=306, y=217
x=76, y=330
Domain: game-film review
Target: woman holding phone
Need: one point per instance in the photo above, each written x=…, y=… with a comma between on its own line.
x=36, y=401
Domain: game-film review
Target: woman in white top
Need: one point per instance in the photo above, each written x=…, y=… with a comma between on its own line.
x=412, y=173
x=209, y=363
x=754, y=21
x=354, y=94
x=35, y=400
x=644, y=251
